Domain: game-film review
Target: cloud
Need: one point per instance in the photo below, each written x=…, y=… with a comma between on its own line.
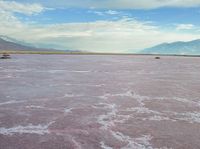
x=7, y=21
x=107, y=12
x=27, y=9
x=100, y=13
x=185, y=26
x=100, y=36
x=112, y=12
x=120, y=4
x=151, y=4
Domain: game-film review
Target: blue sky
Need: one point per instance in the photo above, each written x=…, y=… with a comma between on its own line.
x=100, y=26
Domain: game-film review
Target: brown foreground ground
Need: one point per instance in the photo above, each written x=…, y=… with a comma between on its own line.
x=99, y=102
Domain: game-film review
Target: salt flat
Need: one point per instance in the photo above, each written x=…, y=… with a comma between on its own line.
x=99, y=102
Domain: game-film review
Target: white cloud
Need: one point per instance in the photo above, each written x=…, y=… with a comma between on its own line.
x=100, y=36
x=185, y=26
x=121, y=4
x=152, y=4
x=28, y=9
x=100, y=13
x=112, y=12
x=7, y=21
x=107, y=12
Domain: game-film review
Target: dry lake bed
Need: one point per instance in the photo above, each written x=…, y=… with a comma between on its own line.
x=99, y=102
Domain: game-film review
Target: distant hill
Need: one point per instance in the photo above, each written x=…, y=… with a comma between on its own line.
x=180, y=48
x=10, y=44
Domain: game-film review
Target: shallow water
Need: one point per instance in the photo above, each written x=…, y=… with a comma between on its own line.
x=99, y=102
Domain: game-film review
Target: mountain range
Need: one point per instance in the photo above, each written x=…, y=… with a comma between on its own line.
x=11, y=44
x=178, y=48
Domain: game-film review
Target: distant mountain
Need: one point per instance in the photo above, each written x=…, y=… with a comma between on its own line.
x=180, y=48
x=11, y=44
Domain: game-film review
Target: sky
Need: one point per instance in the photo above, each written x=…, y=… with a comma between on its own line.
x=118, y=26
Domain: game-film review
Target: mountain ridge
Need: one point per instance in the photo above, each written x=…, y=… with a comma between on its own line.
x=178, y=47
x=11, y=44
